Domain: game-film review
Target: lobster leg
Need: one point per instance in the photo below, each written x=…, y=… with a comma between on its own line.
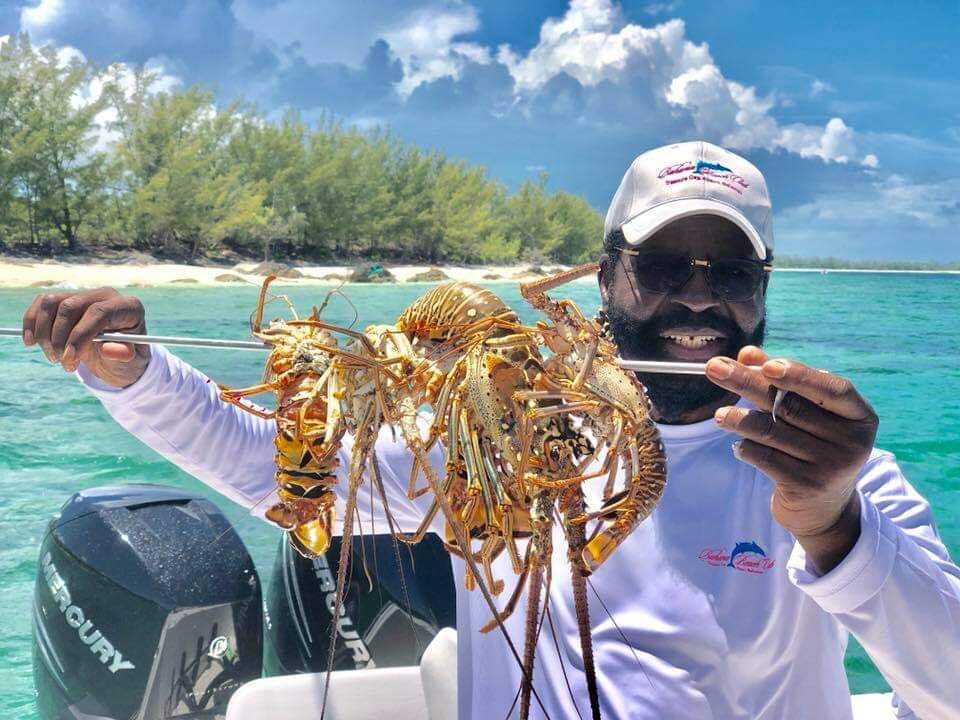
x=628, y=508
x=489, y=551
x=417, y=535
x=576, y=540
x=463, y=542
x=233, y=397
x=514, y=598
x=542, y=549
x=363, y=446
x=529, y=290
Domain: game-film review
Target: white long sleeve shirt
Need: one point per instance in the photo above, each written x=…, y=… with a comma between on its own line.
x=712, y=610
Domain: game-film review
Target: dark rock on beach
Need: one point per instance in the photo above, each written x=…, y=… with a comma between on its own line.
x=431, y=275
x=371, y=273
x=278, y=269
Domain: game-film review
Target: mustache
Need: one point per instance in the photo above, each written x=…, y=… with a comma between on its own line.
x=654, y=326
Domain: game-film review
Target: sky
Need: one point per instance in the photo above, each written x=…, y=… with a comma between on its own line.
x=850, y=109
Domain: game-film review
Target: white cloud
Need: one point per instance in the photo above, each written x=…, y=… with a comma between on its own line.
x=658, y=74
x=819, y=87
x=930, y=203
x=124, y=77
x=593, y=44
x=872, y=221
x=421, y=35
x=584, y=45
x=48, y=18
x=834, y=142
x=119, y=73
x=425, y=44
x=34, y=18
x=662, y=8
x=320, y=31
x=68, y=55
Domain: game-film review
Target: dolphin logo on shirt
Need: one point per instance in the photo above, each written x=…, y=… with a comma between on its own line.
x=745, y=547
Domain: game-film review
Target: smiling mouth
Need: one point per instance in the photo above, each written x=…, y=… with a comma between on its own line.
x=693, y=340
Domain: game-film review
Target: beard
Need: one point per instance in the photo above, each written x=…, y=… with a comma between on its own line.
x=674, y=396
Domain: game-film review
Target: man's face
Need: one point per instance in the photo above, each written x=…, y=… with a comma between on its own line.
x=691, y=324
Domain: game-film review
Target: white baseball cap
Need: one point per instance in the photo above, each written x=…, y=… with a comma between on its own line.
x=691, y=178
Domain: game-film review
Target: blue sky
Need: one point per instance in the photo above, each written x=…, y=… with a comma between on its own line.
x=852, y=110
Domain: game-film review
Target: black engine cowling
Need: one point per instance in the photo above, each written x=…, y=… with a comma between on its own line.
x=413, y=596
x=147, y=605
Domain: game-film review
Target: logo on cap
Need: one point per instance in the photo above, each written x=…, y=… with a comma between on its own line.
x=703, y=171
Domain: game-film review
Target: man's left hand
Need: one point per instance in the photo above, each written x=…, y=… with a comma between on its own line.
x=814, y=450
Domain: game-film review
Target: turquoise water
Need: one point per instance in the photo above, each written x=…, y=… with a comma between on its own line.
x=895, y=335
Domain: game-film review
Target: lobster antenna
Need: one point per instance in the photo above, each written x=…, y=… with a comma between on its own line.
x=563, y=667
x=391, y=524
x=338, y=291
x=218, y=537
x=620, y=631
x=546, y=605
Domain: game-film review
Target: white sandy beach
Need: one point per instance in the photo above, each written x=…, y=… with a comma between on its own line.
x=16, y=272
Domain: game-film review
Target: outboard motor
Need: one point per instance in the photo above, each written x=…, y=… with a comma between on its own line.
x=390, y=625
x=147, y=606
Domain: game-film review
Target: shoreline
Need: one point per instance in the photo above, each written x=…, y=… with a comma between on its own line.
x=25, y=273
x=826, y=271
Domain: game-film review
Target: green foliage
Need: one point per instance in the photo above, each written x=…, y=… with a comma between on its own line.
x=170, y=172
x=832, y=263
x=51, y=173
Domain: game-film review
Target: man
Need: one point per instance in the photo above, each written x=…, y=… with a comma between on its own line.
x=734, y=599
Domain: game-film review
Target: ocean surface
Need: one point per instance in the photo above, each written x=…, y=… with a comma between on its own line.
x=895, y=335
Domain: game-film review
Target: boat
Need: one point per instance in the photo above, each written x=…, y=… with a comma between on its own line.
x=147, y=606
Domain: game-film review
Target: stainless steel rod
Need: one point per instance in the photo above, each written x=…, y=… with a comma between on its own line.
x=659, y=366
x=163, y=340
x=653, y=366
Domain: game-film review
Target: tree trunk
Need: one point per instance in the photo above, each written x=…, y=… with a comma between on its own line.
x=194, y=247
x=68, y=230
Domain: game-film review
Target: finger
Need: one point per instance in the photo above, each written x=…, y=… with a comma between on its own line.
x=740, y=379
x=116, y=313
x=69, y=311
x=753, y=385
x=760, y=427
x=775, y=464
x=806, y=415
x=831, y=392
x=751, y=355
x=30, y=321
x=122, y=352
x=46, y=313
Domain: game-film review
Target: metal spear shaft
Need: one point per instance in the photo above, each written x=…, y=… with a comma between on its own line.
x=680, y=368
x=653, y=366
x=162, y=340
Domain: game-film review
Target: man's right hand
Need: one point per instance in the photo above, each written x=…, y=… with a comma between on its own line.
x=64, y=325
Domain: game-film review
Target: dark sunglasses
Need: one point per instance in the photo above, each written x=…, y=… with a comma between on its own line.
x=735, y=279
